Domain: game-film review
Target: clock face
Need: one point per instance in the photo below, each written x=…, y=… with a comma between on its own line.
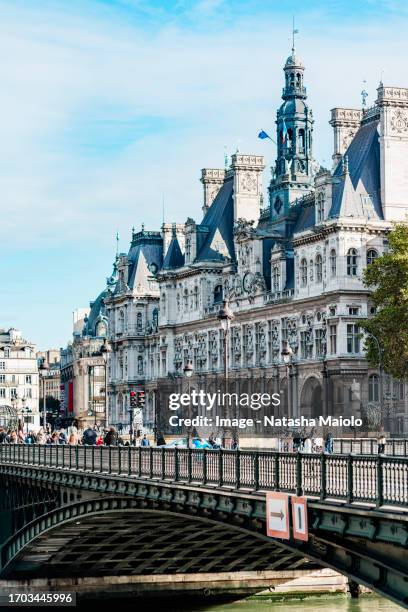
x=247, y=281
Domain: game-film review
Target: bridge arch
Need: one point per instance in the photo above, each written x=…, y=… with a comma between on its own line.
x=118, y=536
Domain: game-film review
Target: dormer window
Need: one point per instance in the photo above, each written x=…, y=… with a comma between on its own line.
x=320, y=208
x=188, y=249
x=276, y=278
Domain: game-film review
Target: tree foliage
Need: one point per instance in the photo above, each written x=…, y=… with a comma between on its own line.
x=387, y=276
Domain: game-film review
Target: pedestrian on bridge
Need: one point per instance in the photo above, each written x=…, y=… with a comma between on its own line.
x=111, y=438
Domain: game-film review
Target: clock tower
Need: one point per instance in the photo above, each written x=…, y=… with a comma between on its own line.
x=292, y=175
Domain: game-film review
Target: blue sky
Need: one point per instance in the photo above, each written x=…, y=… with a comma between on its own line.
x=106, y=105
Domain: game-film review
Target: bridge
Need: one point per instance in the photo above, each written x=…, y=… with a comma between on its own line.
x=85, y=511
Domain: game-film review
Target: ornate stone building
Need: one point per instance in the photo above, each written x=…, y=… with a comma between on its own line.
x=83, y=367
x=291, y=271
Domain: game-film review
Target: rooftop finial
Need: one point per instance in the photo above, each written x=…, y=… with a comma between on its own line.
x=364, y=95
x=174, y=230
x=225, y=157
x=294, y=31
x=142, y=228
x=117, y=243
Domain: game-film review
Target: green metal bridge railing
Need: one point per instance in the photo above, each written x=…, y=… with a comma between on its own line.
x=377, y=480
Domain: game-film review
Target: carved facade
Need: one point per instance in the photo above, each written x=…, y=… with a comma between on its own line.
x=291, y=271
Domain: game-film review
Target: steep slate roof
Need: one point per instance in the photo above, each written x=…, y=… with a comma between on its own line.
x=144, y=252
x=350, y=192
x=174, y=257
x=219, y=219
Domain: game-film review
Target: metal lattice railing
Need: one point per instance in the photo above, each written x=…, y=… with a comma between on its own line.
x=378, y=480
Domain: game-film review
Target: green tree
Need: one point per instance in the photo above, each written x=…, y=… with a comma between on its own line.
x=387, y=276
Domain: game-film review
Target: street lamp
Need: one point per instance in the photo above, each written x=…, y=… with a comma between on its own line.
x=105, y=350
x=287, y=358
x=188, y=372
x=225, y=317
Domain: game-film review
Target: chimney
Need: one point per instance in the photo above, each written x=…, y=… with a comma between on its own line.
x=393, y=105
x=212, y=180
x=345, y=123
x=247, y=170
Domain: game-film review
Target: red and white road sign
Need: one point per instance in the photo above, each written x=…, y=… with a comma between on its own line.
x=299, y=518
x=277, y=515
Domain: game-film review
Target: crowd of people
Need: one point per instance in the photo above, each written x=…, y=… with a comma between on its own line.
x=90, y=436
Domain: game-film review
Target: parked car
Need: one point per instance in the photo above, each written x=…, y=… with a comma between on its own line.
x=196, y=442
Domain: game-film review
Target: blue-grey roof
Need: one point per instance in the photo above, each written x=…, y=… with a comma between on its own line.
x=219, y=221
x=306, y=218
x=96, y=314
x=358, y=192
x=151, y=245
x=174, y=257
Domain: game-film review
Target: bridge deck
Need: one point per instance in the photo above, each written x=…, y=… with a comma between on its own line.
x=373, y=480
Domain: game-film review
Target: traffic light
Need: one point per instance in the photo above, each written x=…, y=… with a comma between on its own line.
x=141, y=399
x=133, y=399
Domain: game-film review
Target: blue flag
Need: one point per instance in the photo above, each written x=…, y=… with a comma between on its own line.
x=262, y=135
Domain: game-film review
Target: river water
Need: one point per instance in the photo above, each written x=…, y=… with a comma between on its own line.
x=331, y=603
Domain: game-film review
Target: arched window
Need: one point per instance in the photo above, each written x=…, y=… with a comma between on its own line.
x=121, y=321
x=139, y=321
x=371, y=256
x=140, y=364
x=155, y=318
x=333, y=263
x=292, y=79
x=163, y=304
x=185, y=299
x=319, y=268
x=303, y=273
x=276, y=278
x=311, y=269
x=218, y=294
x=320, y=208
x=7, y=352
x=195, y=297
x=352, y=262
x=298, y=79
x=301, y=140
x=373, y=388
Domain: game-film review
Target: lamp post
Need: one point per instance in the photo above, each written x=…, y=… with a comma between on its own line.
x=26, y=411
x=287, y=358
x=380, y=370
x=188, y=372
x=225, y=317
x=42, y=372
x=105, y=350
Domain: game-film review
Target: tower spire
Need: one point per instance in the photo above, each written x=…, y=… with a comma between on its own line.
x=294, y=31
